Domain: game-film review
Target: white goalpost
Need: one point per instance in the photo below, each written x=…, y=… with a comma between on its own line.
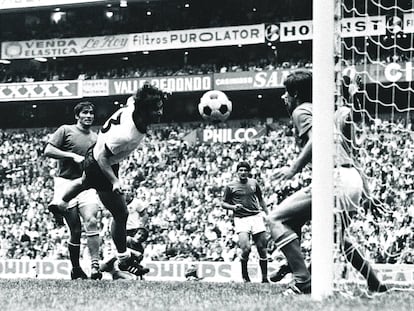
x=322, y=149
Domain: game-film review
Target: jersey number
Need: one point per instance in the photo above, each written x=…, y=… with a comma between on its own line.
x=108, y=124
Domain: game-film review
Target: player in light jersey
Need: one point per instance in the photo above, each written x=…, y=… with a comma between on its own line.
x=119, y=136
x=68, y=145
x=289, y=216
x=244, y=198
x=350, y=184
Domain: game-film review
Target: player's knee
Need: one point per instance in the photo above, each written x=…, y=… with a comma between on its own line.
x=91, y=224
x=245, y=251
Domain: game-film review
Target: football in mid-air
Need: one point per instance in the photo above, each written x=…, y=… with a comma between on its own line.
x=214, y=106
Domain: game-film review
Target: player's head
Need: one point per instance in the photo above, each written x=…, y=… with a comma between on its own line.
x=84, y=113
x=129, y=194
x=149, y=102
x=243, y=170
x=141, y=235
x=298, y=85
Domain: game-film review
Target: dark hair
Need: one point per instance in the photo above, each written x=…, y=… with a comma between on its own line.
x=145, y=233
x=299, y=82
x=79, y=107
x=244, y=164
x=148, y=94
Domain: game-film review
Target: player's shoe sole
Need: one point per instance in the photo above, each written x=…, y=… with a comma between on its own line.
x=132, y=265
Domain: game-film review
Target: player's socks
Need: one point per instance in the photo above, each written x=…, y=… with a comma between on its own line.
x=263, y=268
x=363, y=266
x=74, y=252
x=294, y=256
x=245, y=273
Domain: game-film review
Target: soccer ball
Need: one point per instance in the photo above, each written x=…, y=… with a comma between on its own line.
x=215, y=106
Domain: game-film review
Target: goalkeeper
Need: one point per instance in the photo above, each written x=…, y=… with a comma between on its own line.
x=137, y=234
x=350, y=181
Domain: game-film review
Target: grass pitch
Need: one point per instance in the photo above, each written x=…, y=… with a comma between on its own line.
x=105, y=295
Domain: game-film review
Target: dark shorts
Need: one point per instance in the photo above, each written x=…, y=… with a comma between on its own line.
x=95, y=178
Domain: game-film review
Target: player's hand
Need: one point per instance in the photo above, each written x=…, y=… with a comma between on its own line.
x=284, y=173
x=77, y=158
x=117, y=187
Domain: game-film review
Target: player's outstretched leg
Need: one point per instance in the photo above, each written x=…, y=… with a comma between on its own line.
x=130, y=262
x=58, y=206
x=364, y=267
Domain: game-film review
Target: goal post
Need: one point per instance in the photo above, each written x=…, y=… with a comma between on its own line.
x=323, y=149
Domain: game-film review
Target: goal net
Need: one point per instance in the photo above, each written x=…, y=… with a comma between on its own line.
x=375, y=45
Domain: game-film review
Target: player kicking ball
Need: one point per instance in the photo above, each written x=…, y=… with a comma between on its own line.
x=117, y=139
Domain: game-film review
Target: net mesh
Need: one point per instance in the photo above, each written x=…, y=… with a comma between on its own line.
x=375, y=45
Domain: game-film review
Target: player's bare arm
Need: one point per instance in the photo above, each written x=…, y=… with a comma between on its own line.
x=231, y=207
x=304, y=158
x=264, y=206
x=56, y=153
x=261, y=200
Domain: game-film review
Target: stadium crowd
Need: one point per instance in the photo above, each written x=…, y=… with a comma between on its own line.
x=183, y=187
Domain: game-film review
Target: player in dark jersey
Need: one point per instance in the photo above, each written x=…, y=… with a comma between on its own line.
x=68, y=145
x=288, y=217
x=117, y=139
x=244, y=198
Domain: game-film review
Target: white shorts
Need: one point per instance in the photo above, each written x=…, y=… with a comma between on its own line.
x=348, y=189
x=83, y=199
x=250, y=224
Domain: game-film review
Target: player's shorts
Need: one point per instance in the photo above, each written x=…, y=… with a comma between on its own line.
x=250, y=224
x=348, y=189
x=94, y=177
x=82, y=200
